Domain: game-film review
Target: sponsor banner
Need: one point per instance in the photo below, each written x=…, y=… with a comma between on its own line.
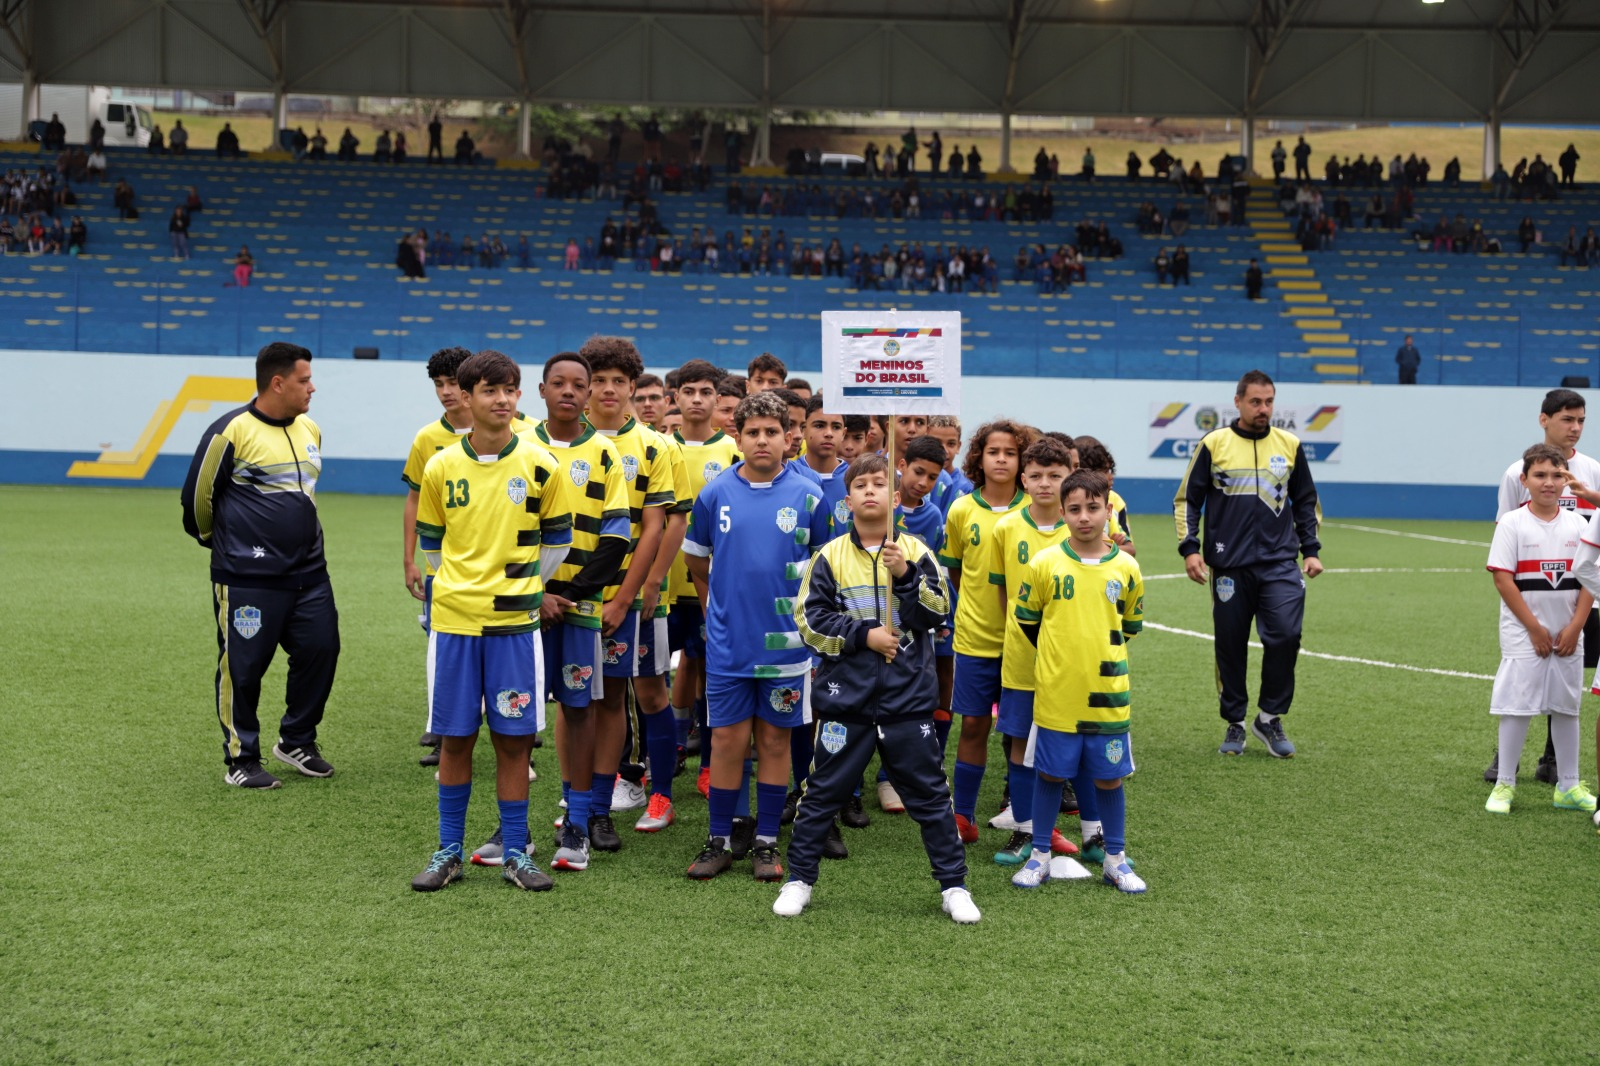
x=1175, y=428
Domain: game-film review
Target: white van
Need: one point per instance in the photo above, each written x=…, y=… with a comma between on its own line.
x=127, y=125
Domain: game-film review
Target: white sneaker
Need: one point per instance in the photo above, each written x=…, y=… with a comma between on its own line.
x=959, y=906
x=1034, y=872
x=1004, y=820
x=792, y=899
x=627, y=796
x=533, y=775
x=1118, y=874
x=889, y=799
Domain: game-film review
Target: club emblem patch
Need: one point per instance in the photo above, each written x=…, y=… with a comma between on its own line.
x=1278, y=465
x=784, y=700
x=1114, y=751
x=788, y=518
x=313, y=452
x=841, y=512
x=510, y=703
x=711, y=470
x=1113, y=590
x=517, y=489
x=630, y=467
x=247, y=621
x=615, y=650
x=1224, y=589
x=576, y=677
x=832, y=736
x=579, y=472
x=1553, y=570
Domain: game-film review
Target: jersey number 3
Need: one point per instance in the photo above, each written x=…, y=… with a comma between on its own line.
x=456, y=493
x=972, y=534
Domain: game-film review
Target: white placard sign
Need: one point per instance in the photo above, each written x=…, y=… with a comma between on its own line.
x=885, y=363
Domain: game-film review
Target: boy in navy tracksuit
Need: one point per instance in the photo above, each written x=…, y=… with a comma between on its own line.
x=870, y=605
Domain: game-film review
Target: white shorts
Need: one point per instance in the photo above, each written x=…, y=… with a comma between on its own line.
x=1552, y=685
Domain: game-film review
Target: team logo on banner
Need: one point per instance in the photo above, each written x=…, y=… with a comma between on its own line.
x=891, y=348
x=247, y=621
x=711, y=470
x=1113, y=590
x=784, y=700
x=832, y=737
x=510, y=703
x=576, y=677
x=615, y=650
x=630, y=467
x=579, y=472
x=1114, y=752
x=517, y=489
x=788, y=518
x=1224, y=589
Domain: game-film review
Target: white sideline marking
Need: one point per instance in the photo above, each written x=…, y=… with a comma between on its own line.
x=1335, y=658
x=1357, y=570
x=1405, y=533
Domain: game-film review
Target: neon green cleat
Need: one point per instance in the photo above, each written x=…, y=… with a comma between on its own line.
x=1576, y=798
x=1500, y=799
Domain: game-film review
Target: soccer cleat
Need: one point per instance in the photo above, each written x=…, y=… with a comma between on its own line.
x=852, y=815
x=628, y=796
x=1094, y=849
x=743, y=838
x=1233, y=742
x=966, y=830
x=1500, y=799
x=1271, y=734
x=533, y=775
x=703, y=783
x=303, y=757
x=492, y=851
x=765, y=862
x=430, y=759
x=1545, y=772
x=691, y=743
x=428, y=740
x=573, y=854
x=443, y=868
x=1492, y=774
x=959, y=906
x=889, y=799
x=1034, y=872
x=1069, y=799
x=1596, y=821
x=1576, y=798
x=603, y=833
x=1060, y=845
x=1004, y=820
x=657, y=816
x=833, y=844
x=712, y=860
x=791, y=803
x=1117, y=873
x=1018, y=847
x=792, y=899
x=249, y=775
x=520, y=871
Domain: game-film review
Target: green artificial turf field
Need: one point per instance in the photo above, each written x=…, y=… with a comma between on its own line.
x=1355, y=903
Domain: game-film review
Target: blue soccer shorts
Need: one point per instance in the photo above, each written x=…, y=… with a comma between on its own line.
x=573, y=660
x=1016, y=713
x=638, y=648
x=977, y=685
x=497, y=678
x=689, y=620
x=784, y=702
x=1102, y=756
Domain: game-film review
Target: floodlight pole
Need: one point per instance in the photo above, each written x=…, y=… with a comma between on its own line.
x=16, y=17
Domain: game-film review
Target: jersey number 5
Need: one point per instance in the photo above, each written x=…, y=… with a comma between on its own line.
x=724, y=519
x=456, y=493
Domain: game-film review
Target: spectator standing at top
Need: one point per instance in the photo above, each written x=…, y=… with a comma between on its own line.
x=158, y=142
x=614, y=132
x=97, y=137
x=1568, y=162
x=1088, y=164
x=1134, y=165
x=465, y=149
x=1409, y=360
x=935, y=149
x=908, y=149
x=178, y=139
x=1253, y=281
x=227, y=142
x=435, y=138
x=348, y=143
x=652, y=139
x=299, y=143
x=1279, y=159
x=55, y=134
x=1302, y=160
x=319, y=145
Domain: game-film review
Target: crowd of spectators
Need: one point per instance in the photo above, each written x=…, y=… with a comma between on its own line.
x=418, y=250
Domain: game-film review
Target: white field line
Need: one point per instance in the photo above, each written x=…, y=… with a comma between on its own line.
x=1358, y=570
x=1405, y=533
x=1335, y=658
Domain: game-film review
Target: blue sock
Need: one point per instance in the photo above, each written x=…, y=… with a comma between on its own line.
x=769, y=810
x=453, y=816
x=600, y=786
x=883, y=775
x=566, y=792
x=969, y=778
x=941, y=729
x=1114, y=819
x=1021, y=780
x=661, y=749
x=705, y=731
x=578, y=809
x=741, y=802
x=1046, y=809
x=1088, y=797
x=720, y=805
x=802, y=747
x=514, y=824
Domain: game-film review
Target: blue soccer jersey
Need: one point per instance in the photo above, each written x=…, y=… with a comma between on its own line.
x=925, y=522
x=759, y=538
x=834, y=491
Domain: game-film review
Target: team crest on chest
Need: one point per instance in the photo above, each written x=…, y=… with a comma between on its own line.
x=247, y=621
x=1113, y=590
x=1554, y=570
x=711, y=470
x=517, y=489
x=630, y=467
x=579, y=472
x=841, y=512
x=1278, y=465
x=510, y=703
x=788, y=519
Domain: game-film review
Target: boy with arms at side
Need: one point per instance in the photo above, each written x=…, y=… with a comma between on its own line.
x=1079, y=604
x=751, y=532
x=993, y=465
x=488, y=516
x=875, y=686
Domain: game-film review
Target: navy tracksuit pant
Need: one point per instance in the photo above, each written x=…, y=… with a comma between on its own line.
x=1273, y=596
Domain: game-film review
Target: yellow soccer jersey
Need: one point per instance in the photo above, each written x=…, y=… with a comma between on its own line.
x=684, y=504
x=703, y=461
x=968, y=528
x=1016, y=540
x=647, y=476
x=1086, y=613
x=590, y=484
x=484, y=521
x=430, y=440
x=1118, y=522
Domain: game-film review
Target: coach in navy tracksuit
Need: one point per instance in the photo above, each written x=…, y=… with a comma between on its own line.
x=250, y=498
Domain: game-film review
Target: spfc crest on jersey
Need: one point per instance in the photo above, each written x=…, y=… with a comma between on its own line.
x=1553, y=570
x=517, y=489
x=711, y=470
x=247, y=621
x=832, y=736
x=1278, y=465
x=510, y=703
x=615, y=650
x=788, y=519
x=576, y=677
x=630, y=467
x=1224, y=589
x=1113, y=590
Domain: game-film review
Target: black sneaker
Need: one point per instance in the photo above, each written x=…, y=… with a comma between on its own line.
x=1492, y=774
x=430, y=759
x=443, y=868
x=712, y=860
x=603, y=833
x=1069, y=798
x=249, y=775
x=852, y=815
x=1271, y=734
x=520, y=871
x=791, y=803
x=833, y=844
x=1545, y=772
x=765, y=863
x=743, y=838
x=428, y=740
x=1233, y=742
x=303, y=757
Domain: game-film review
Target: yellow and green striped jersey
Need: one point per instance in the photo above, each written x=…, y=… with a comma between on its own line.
x=1086, y=613
x=432, y=439
x=647, y=476
x=703, y=461
x=589, y=481
x=1016, y=540
x=968, y=528
x=482, y=521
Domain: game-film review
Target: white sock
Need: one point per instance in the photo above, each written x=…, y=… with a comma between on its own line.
x=1513, y=734
x=1564, y=731
x=1091, y=829
x=682, y=714
x=1042, y=856
x=1113, y=861
x=764, y=841
x=1265, y=717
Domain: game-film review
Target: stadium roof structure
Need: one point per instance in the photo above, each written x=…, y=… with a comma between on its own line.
x=1454, y=60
